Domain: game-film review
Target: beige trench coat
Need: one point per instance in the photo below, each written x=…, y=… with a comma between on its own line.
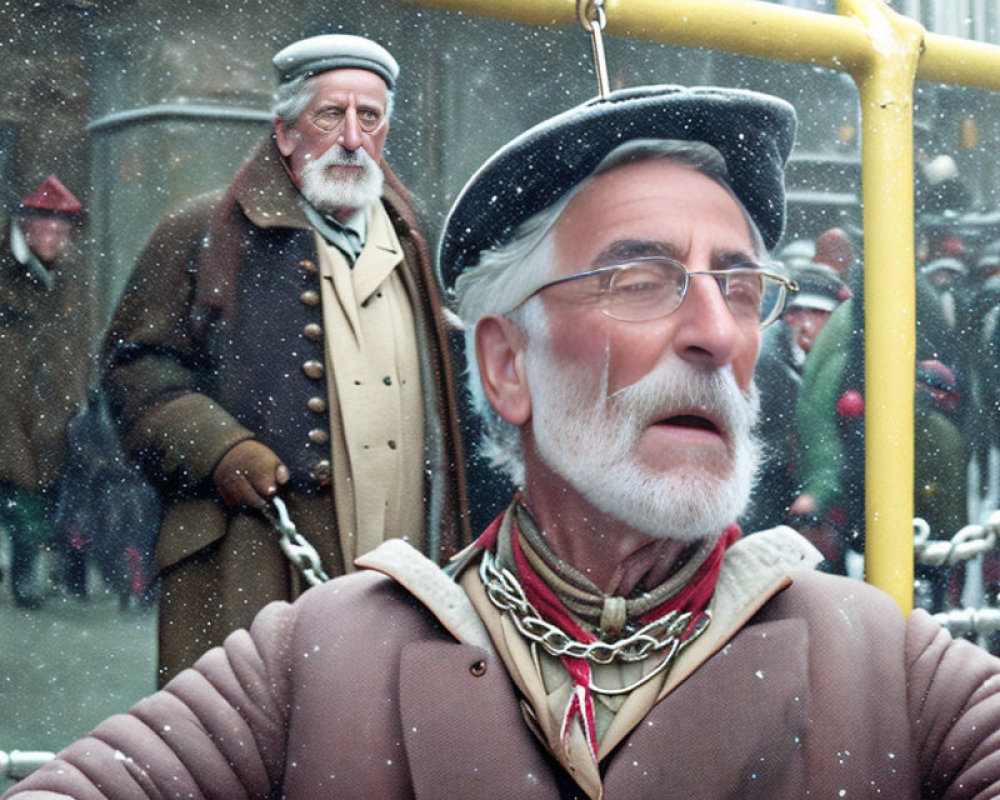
x=166, y=344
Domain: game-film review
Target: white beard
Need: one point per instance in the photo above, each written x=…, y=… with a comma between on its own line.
x=591, y=443
x=330, y=195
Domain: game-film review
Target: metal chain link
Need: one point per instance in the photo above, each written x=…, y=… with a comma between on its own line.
x=295, y=546
x=964, y=621
x=506, y=593
x=969, y=542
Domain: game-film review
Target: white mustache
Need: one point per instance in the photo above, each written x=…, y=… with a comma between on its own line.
x=676, y=387
x=339, y=156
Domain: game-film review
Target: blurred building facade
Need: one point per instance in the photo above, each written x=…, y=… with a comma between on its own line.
x=141, y=104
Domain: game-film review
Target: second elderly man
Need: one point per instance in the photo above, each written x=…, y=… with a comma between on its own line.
x=287, y=337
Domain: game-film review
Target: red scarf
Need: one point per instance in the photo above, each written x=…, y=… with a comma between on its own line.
x=693, y=598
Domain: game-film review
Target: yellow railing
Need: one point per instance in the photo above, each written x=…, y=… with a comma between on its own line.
x=885, y=53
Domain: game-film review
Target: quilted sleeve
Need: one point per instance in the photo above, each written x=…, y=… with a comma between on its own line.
x=218, y=730
x=954, y=707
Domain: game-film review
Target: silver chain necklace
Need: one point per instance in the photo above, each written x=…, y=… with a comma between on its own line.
x=665, y=633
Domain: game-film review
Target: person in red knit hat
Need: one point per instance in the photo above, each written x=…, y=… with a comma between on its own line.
x=44, y=319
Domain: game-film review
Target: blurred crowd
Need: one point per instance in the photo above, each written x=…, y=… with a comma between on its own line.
x=812, y=382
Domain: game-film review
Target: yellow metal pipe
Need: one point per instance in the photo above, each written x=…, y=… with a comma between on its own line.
x=751, y=28
x=960, y=62
x=885, y=53
x=765, y=30
x=886, y=91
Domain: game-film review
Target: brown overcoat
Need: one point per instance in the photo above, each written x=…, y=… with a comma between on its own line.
x=186, y=348
x=358, y=690
x=46, y=350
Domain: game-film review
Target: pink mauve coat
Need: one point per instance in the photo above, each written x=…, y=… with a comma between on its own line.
x=358, y=691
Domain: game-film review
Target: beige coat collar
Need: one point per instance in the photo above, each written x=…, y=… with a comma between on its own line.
x=755, y=569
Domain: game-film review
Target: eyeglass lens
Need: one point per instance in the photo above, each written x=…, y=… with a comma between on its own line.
x=643, y=291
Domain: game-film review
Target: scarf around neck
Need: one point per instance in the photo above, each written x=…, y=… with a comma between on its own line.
x=691, y=596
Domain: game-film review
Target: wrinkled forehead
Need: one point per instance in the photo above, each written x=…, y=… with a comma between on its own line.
x=343, y=84
x=635, y=208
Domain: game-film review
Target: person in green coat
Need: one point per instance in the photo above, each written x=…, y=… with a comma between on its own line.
x=830, y=418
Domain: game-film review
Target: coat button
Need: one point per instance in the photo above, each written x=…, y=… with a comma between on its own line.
x=318, y=436
x=313, y=369
x=478, y=669
x=310, y=297
x=317, y=404
x=308, y=266
x=313, y=332
x=321, y=472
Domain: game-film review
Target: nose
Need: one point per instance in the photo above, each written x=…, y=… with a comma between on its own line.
x=351, y=136
x=706, y=334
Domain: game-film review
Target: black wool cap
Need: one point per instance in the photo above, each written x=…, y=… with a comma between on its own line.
x=754, y=132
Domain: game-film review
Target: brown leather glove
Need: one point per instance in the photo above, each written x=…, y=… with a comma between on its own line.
x=249, y=473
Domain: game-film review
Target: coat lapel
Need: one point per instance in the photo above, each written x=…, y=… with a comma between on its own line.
x=460, y=715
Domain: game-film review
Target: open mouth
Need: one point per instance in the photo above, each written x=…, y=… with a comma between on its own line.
x=693, y=422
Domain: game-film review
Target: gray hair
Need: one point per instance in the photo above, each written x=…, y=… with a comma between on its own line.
x=292, y=99
x=504, y=277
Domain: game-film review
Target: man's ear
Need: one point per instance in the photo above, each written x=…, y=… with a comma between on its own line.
x=500, y=353
x=284, y=137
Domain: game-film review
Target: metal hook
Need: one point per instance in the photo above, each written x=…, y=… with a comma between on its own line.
x=591, y=15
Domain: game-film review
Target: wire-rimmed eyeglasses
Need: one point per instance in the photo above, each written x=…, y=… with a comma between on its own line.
x=651, y=288
x=331, y=119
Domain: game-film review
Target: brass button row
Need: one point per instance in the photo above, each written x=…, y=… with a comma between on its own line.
x=322, y=471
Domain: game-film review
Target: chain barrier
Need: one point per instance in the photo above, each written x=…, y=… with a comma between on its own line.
x=970, y=621
x=506, y=594
x=295, y=546
x=970, y=542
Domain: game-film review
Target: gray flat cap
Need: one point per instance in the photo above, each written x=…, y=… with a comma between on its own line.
x=335, y=51
x=820, y=287
x=754, y=133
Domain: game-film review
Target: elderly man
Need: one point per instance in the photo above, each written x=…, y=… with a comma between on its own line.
x=287, y=338
x=610, y=635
